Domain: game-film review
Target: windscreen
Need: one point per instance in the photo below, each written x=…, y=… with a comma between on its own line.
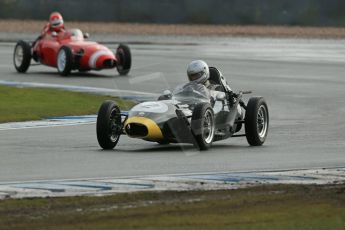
x=74, y=34
x=191, y=90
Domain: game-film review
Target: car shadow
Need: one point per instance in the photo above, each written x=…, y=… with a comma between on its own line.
x=76, y=75
x=176, y=148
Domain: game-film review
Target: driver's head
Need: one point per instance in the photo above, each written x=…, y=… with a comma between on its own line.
x=56, y=21
x=198, y=71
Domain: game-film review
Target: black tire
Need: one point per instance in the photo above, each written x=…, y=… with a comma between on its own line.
x=64, y=63
x=256, y=121
x=124, y=57
x=109, y=125
x=202, y=115
x=22, y=56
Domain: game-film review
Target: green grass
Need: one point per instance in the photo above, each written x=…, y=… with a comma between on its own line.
x=22, y=104
x=264, y=207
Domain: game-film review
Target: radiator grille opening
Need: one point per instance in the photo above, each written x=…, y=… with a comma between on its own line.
x=136, y=130
x=108, y=63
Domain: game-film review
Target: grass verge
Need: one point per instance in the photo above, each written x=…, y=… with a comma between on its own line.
x=22, y=104
x=263, y=207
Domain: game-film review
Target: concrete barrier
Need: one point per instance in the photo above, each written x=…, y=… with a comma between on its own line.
x=240, y=12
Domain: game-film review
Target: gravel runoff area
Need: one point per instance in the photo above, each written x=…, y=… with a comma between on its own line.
x=28, y=26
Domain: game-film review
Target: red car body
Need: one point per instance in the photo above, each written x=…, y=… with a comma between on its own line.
x=68, y=50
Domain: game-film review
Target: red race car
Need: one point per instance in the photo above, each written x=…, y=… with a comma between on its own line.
x=67, y=51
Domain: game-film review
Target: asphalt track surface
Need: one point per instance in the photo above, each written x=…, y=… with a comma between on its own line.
x=303, y=82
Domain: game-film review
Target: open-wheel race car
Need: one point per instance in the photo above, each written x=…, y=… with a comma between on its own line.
x=191, y=113
x=69, y=50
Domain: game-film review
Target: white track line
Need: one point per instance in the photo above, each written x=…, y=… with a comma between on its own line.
x=52, y=122
x=87, y=89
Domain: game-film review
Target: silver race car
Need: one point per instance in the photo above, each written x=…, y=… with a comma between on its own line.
x=191, y=113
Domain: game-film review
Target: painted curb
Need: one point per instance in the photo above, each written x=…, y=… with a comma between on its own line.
x=183, y=182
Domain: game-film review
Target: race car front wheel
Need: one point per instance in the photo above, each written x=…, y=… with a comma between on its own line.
x=256, y=121
x=22, y=56
x=124, y=59
x=109, y=125
x=203, y=125
x=64, y=61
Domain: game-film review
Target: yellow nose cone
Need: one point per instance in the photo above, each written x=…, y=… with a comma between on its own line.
x=153, y=131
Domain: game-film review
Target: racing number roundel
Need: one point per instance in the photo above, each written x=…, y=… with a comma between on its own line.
x=151, y=107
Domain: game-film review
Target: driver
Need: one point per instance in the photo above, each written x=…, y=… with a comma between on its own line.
x=55, y=24
x=199, y=72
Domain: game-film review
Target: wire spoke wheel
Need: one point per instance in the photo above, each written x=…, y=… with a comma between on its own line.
x=22, y=56
x=256, y=121
x=262, y=121
x=65, y=61
x=18, y=56
x=115, y=127
x=124, y=59
x=208, y=128
x=121, y=57
x=109, y=125
x=61, y=60
x=203, y=126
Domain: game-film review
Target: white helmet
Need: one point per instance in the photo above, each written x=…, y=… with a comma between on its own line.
x=198, y=71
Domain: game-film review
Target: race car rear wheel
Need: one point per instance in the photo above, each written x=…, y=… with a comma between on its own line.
x=203, y=125
x=22, y=56
x=64, y=61
x=123, y=55
x=256, y=121
x=109, y=125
